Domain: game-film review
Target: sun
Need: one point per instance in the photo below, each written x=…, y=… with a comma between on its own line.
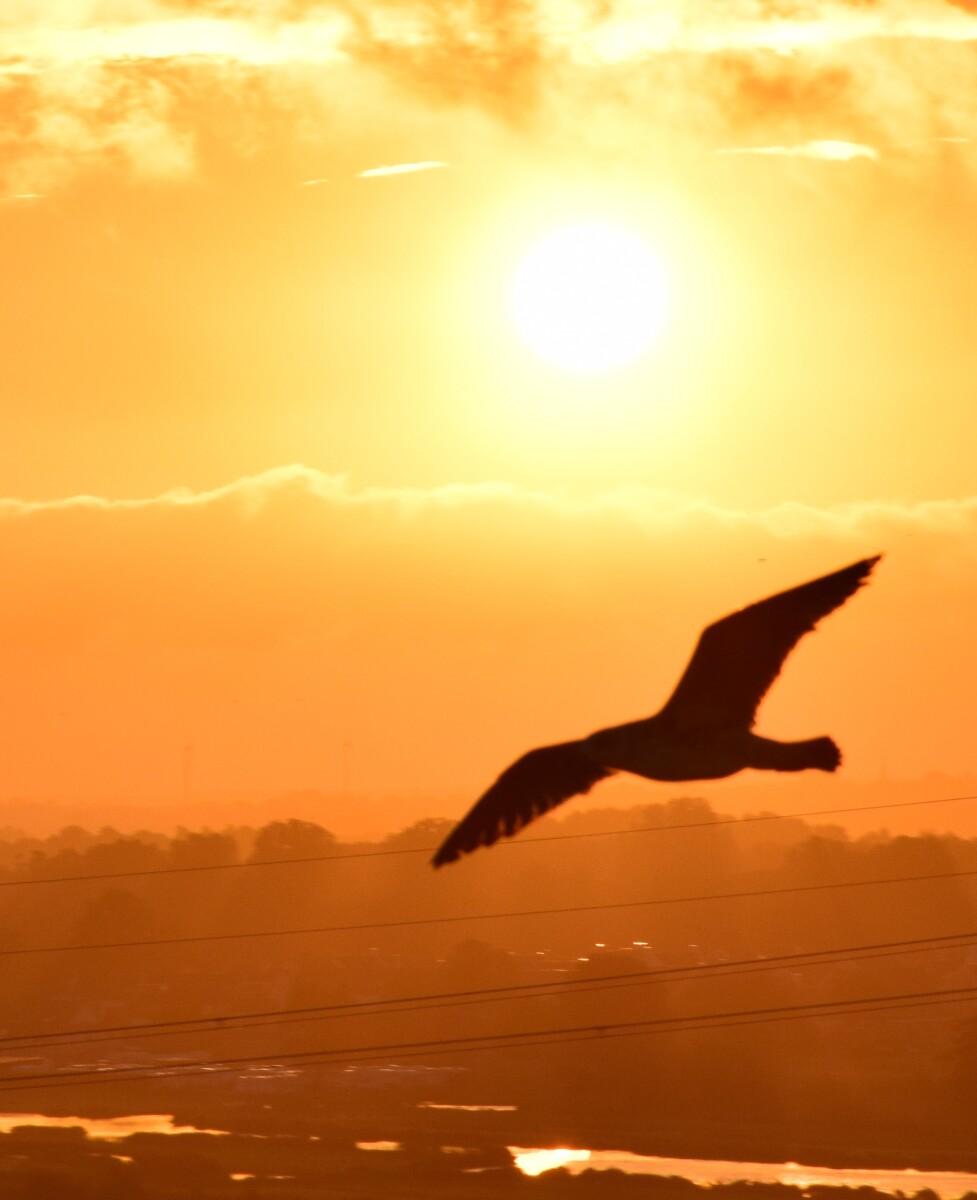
x=590, y=297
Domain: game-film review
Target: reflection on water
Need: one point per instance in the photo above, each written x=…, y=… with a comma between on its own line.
x=535, y=1162
x=108, y=1129
x=947, y=1184
x=469, y=1107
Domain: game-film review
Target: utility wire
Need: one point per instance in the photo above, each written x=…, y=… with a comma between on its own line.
x=507, y=1040
x=507, y=844
x=233, y=1022
x=605, y=1032
x=756, y=893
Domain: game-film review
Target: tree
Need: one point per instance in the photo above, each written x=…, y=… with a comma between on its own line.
x=291, y=839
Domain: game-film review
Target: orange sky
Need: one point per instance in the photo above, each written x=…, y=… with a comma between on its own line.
x=277, y=474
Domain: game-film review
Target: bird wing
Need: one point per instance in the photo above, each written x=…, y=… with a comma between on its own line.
x=738, y=657
x=534, y=784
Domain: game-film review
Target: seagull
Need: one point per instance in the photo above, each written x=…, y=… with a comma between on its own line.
x=705, y=731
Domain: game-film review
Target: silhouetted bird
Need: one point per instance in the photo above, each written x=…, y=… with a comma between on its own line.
x=705, y=731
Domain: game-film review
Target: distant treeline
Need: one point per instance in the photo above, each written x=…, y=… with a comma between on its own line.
x=662, y=895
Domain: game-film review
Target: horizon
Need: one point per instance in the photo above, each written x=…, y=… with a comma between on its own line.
x=934, y=803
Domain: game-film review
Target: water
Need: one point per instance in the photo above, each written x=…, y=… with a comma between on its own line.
x=109, y=1129
x=947, y=1184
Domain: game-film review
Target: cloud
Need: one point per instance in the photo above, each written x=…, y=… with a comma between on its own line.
x=53, y=37
x=828, y=151
x=401, y=169
x=94, y=84
x=407, y=168
x=130, y=89
x=487, y=35
x=647, y=509
x=280, y=613
x=377, y=576
x=61, y=123
x=489, y=52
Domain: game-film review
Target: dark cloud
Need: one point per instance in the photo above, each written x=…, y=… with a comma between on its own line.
x=56, y=124
x=468, y=51
x=766, y=89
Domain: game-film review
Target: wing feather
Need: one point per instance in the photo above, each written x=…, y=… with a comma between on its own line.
x=534, y=784
x=738, y=657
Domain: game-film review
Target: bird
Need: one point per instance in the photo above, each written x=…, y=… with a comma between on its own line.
x=704, y=731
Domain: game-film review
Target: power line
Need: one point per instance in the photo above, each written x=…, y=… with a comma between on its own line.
x=615, y=1030
x=508, y=844
x=510, y=1039
x=756, y=893
x=233, y=1022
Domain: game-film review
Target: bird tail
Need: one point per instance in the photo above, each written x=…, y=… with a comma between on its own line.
x=818, y=754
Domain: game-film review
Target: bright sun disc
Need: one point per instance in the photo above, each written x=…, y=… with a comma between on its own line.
x=589, y=297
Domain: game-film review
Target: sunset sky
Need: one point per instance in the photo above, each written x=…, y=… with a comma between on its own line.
x=280, y=478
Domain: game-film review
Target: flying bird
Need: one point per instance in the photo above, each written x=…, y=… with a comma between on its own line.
x=705, y=731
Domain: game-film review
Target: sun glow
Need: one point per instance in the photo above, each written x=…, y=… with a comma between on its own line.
x=590, y=297
x=535, y=1162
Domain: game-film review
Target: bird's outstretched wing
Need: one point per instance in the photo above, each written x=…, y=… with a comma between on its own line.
x=738, y=657
x=534, y=784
